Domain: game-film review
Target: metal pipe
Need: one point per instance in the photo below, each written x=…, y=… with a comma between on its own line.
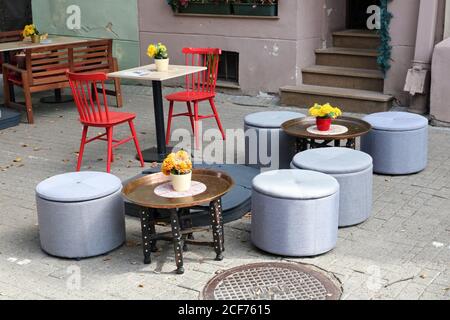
x=418, y=79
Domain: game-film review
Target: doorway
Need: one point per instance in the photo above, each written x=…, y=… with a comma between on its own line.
x=357, y=13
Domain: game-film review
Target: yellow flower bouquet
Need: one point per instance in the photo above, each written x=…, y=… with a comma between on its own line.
x=324, y=115
x=179, y=167
x=160, y=54
x=30, y=31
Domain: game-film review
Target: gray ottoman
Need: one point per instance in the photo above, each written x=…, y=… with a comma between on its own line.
x=80, y=214
x=266, y=144
x=354, y=172
x=398, y=142
x=295, y=212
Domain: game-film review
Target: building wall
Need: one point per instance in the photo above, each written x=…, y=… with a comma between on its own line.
x=403, y=32
x=272, y=51
x=116, y=19
x=14, y=15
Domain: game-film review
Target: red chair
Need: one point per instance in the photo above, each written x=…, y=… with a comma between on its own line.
x=94, y=113
x=199, y=87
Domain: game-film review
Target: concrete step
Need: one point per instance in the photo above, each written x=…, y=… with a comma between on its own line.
x=349, y=100
x=358, y=39
x=347, y=57
x=351, y=78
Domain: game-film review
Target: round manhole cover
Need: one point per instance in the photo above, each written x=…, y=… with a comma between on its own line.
x=273, y=281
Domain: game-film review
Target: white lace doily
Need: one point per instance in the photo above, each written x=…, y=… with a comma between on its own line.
x=334, y=130
x=166, y=190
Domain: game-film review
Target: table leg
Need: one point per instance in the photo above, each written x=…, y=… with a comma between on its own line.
x=217, y=225
x=186, y=224
x=148, y=230
x=57, y=98
x=177, y=240
x=160, y=152
x=301, y=145
x=337, y=143
x=12, y=94
x=351, y=144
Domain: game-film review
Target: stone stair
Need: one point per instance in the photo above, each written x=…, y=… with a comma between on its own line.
x=345, y=75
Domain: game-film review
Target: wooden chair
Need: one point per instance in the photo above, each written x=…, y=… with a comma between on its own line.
x=94, y=112
x=9, y=36
x=45, y=69
x=199, y=87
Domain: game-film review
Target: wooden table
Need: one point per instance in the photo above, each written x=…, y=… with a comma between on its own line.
x=298, y=128
x=6, y=47
x=149, y=73
x=142, y=192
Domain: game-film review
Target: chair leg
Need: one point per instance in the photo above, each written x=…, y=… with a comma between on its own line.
x=196, y=122
x=216, y=115
x=83, y=143
x=29, y=105
x=117, y=86
x=190, y=115
x=118, y=89
x=136, y=142
x=169, y=122
x=6, y=94
x=109, y=132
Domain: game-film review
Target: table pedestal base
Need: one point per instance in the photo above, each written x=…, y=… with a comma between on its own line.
x=182, y=233
x=303, y=144
x=152, y=154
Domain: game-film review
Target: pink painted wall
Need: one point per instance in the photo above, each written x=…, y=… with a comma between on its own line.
x=272, y=51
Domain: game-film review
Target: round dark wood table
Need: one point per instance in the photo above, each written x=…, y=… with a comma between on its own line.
x=298, y=128
x=142, y=192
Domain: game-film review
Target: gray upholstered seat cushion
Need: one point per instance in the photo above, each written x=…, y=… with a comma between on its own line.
x=296, y=184
x=333, y=160
x=396, y=121
x=271, y=119
x=78, y=186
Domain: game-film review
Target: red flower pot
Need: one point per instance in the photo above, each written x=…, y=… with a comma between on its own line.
x=323, y=124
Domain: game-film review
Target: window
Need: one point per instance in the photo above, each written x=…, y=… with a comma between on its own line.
x=229, y=67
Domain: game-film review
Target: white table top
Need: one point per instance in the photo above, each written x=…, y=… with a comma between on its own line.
x=149, y=73
x=52, y=41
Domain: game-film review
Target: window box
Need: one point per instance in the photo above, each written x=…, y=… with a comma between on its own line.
x=206, y=8
x=249, y=9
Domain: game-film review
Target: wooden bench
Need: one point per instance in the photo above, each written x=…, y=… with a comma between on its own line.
x=45, y=68
x=9, y=36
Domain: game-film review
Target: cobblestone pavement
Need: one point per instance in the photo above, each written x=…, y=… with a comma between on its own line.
x=402, y=252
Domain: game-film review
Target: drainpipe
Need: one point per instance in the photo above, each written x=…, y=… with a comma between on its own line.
x=418, y=78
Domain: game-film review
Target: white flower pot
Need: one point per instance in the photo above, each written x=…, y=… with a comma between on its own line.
x=162, y=65
x=181, y=182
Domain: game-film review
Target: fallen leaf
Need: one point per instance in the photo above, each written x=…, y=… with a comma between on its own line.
x=141, y=286
x=24, y=145
x=17, y=160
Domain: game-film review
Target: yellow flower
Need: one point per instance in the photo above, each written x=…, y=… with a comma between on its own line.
x=152, y=51
x=178, y=163
x=325, y=111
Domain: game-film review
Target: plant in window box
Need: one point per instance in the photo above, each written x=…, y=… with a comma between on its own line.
x=255, y=7
x=201, y=6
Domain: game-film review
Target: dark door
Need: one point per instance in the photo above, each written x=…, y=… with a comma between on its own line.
x=14, y=14
x=357, y=13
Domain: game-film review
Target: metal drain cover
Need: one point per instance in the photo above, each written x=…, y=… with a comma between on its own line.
x=273, y=281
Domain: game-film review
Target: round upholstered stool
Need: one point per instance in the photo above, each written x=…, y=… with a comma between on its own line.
x=295, y=212
x=398, y=142
x=354, y=172
x=80, y=214
x=266, y=144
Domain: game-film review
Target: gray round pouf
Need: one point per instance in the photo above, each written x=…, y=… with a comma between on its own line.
x=295, y=212
x=80, y=214
x=398, y=142
x=354, y=172
x=266, y=144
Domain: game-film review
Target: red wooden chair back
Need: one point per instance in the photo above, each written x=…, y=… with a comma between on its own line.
x=202, y=57
x=88, y=101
